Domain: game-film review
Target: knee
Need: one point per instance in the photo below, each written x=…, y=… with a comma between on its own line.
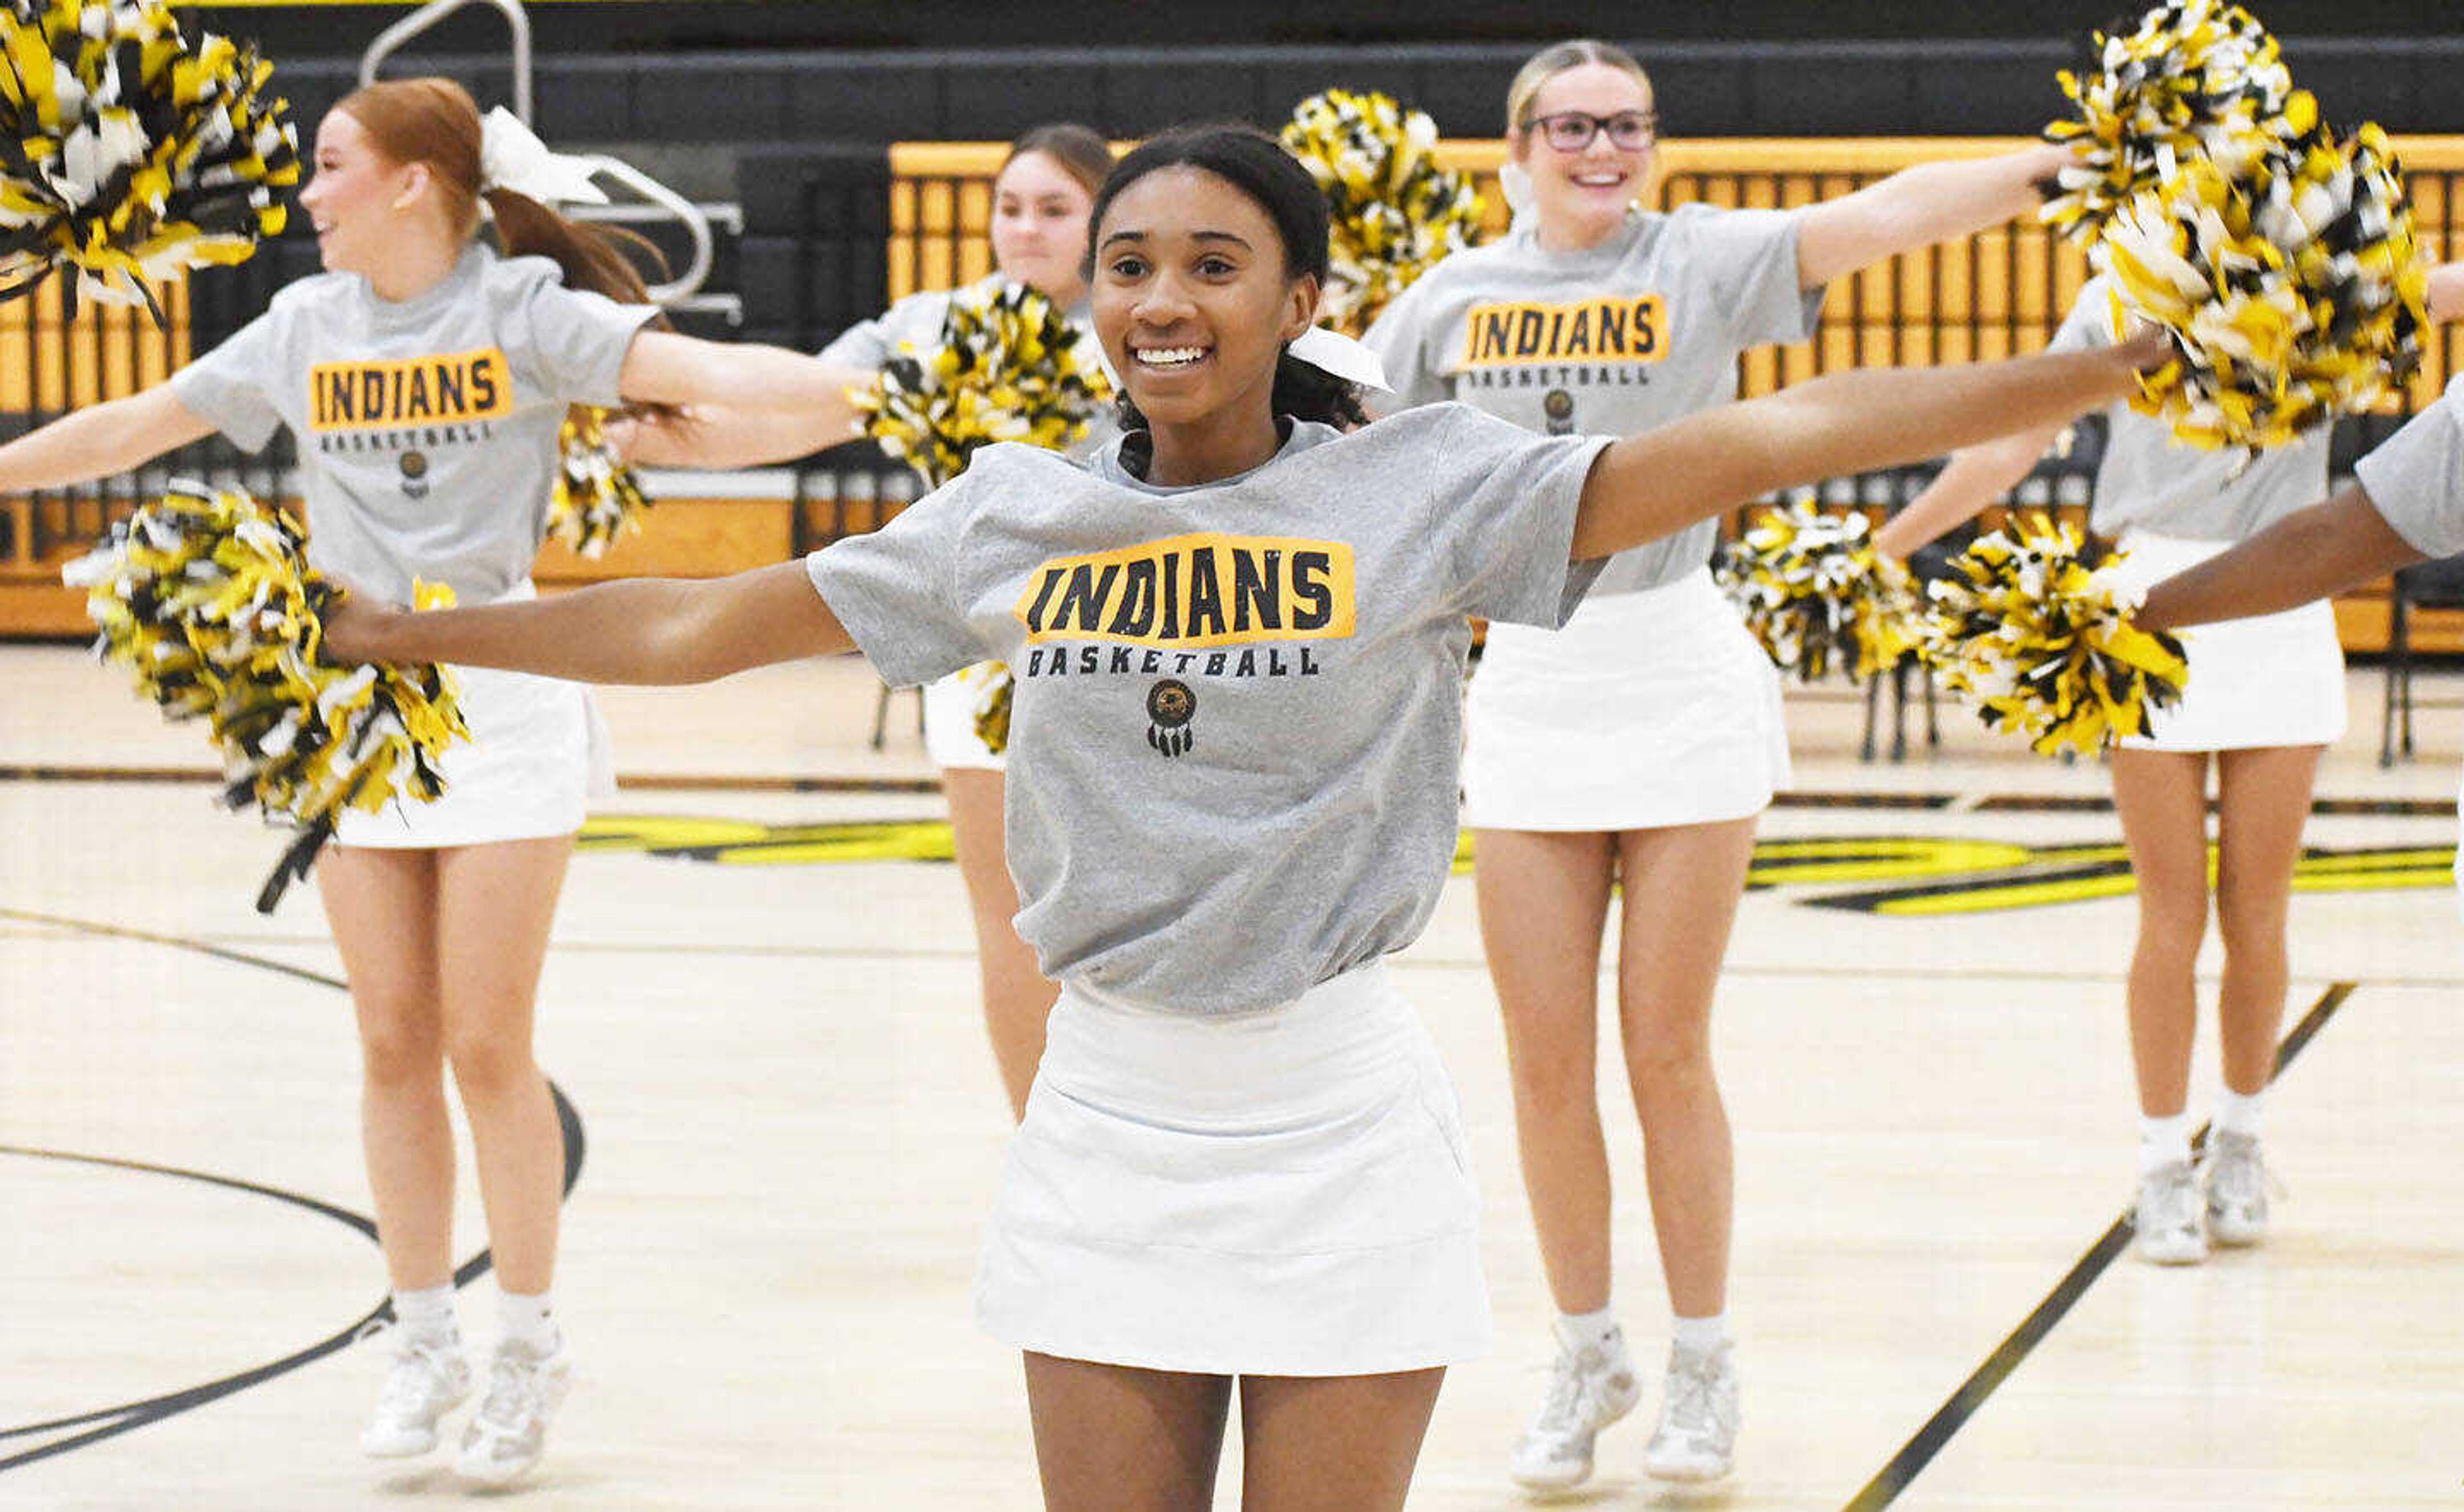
x=1664, y=1064
x=489, y=1064
x=2251, y=929
x=400, y=1047
x=2172, y=921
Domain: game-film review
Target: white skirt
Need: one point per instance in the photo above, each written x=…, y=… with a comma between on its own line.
x=539, y=751
x=1285, y=1192
x=1648, y=710
x=950, y=707
x=2270, y=680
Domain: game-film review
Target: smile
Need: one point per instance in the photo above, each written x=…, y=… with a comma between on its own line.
x=1168, y=358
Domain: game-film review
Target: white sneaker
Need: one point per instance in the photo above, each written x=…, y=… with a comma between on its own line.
x=1589, y=1389
x=2166, y=1217
x=427, y=1379
x=1697, y=1437
x=2236, y=1190
x=508, y=1432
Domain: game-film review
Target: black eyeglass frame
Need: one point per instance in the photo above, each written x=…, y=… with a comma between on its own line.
x=1645, y=133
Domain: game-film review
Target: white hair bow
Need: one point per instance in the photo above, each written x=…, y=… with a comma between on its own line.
x=512, y=157
x=1332, y=352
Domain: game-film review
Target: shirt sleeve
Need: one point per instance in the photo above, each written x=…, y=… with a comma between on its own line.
x=895, y=590
x=231, y=387
x=865, y=344
x=578, y=342
x=1506, y=515
x=1749, y=258
x=1401, y=339
x=2415, y=479
x=2089, y=325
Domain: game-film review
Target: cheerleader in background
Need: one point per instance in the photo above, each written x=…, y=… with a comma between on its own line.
x=2265, y=697
x=1234, y=761
x=425, y=377
x=1039, y=236
x=1632, y=751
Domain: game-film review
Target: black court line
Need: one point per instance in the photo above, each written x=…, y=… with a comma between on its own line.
x=110, y=1423
x=653, y=783
x=1953, y=1415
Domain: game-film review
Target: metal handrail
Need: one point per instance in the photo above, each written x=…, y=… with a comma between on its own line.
x=696, y=223
x=428, y=15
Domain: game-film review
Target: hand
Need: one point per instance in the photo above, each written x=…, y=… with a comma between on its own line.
x=2147, y=348
x=357, y=623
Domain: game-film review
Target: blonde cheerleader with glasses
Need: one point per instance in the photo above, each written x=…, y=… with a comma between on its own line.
x=1239, y=633
x=426, y=374
x=1629, y=753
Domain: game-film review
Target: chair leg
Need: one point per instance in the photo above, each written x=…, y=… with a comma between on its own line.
x=919, y=714
x=1933, y=724
x=1899, y=711
x=881, y=718
x=2387, y=680
x=1873, y=704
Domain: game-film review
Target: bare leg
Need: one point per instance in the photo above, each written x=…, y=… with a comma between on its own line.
x=1343, y=1443
x=2161, y=797
x=1681, y=890
x=2264, y=800
x=1110, y=1439
x=1543, y=899
x=496, y=904
x=1017, y=996
x=381, y=907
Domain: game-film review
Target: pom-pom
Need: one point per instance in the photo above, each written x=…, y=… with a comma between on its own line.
x=597, y=497
x=1009, y=366
x=992, y=707
x=2031, y=628
x=2290, y=278
x=128, y=153
x=1395, y=214
x=2195, y=78
x=1813, y=591
x=207, y=599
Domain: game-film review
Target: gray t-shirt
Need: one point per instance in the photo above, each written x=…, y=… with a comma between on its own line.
x=2147, y=479
x=2415, y=479
x=1643, y=329
x=427, y=427
x=1238, y=720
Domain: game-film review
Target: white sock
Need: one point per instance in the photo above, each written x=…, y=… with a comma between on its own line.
x=1699, y=1335
x=526, y=1320
x=2164, y=1141
x=1590, y=1330
x=427, y=1313
x=2237, y=1113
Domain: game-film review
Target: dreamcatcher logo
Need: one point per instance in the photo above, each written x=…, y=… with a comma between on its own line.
x=1170, y=705
x=414, y=473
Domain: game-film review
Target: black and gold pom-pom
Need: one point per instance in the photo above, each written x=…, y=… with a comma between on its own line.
x=993, y=703
x=598, y=497
x=2290, y=278
x=1394, y=213
x=1815, y=594
x=129, y=153
x=1008, y=365
x=206, y=597
x=2196, y=79
x=2032, y=631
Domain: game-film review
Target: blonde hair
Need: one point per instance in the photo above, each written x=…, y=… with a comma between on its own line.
x=1556, y=58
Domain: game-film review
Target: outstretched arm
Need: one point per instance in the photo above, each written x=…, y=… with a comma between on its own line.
x=1973, y=478
x=2324, y=549
x=2446, y=299
x=649, y=630
x=1918, y=206
x=1658, y=483
x=100, y=441
x=775, y=404
x=721, y=436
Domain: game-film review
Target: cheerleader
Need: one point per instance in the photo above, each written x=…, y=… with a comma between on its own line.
x=1039, y=236
x=1631, y=752
x=424, y=377
x=2265, y=697
x=1239, y=634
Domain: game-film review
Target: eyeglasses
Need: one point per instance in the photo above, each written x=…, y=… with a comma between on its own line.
x=1572, y=130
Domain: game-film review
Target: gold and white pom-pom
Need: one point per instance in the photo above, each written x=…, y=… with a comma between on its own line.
x=2033, y=628
x=598, y=497
x=1393, y=213
x=2290, y=278
x=1815, y=594
x=206, y=597
x=1008, y=365
x=129, y=153
x=2195, y=78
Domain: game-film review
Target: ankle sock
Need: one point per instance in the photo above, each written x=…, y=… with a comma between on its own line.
x=2164, y=1141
